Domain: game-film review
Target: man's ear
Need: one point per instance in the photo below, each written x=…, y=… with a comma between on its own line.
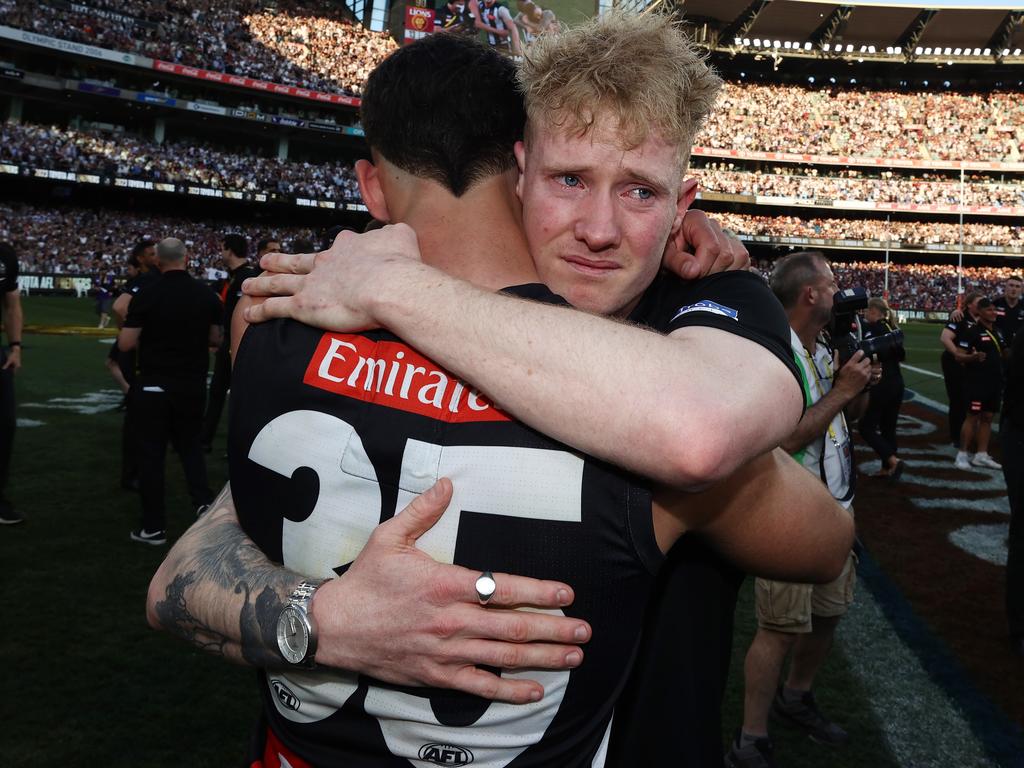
x=370, y=188
x=519, y=149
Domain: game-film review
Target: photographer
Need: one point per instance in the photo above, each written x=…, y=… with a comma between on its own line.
x=802, y=618
x=878, y=425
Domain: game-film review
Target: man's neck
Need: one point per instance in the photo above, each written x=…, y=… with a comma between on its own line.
x=477, y=237
x=172, y=268
x=806, y=330
x=1011, y=303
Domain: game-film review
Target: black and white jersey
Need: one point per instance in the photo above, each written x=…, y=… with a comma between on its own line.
x=987, y=373
x=1009, y=319
x=495, y=17
x=331, y=434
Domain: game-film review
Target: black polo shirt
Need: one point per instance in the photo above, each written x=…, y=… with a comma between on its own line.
x=140, y=281
x=8, y=272
x=175, y=314
x=1009, y=319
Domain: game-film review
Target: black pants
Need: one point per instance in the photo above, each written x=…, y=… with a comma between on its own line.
x=953, y=377
x=219, y=385
x=8, y=422
x=878, y=424
x=168, y=413
x=1012, y=440
x=670, y=712
x=129, y=434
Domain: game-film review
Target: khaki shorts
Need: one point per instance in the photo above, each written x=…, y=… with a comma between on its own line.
x=786, y=607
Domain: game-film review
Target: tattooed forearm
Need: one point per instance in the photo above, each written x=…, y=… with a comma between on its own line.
x=220, y=592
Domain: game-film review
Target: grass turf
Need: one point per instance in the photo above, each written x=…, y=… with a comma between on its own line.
x=90, y=683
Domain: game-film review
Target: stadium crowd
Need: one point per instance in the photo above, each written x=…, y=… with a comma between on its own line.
x=311, y=46
x=96, y=242
x=101, y=239
x=809, y=183
x=854, y=122
x=911, y=233
x=68, y=149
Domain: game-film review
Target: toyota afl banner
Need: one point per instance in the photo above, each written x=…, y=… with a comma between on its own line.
x=419, y=22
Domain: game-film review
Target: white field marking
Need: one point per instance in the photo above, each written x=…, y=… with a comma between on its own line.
x=917, y=397
x=939, y=451
x=108, y=341
x=996, y=506
x=984, y=541
x=995, y=475
x=921, y=724
x=920, y=370
x=88, y=404
x=30, y=423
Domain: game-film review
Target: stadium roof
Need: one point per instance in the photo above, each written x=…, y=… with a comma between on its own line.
x=987, y=30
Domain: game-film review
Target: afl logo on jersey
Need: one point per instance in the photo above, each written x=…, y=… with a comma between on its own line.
x=445, y=754
x=284, y=695
x=393, y=375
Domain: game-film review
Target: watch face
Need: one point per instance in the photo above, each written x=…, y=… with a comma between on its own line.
x=292, y=635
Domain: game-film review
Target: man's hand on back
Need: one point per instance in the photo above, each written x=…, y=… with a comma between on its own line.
x=703, y=248
x=404, y=618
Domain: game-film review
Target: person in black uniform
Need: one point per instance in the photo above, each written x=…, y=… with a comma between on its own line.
x=172, y=322
x=878, y=424
x=1010, y=309
x=143, y=256
x=10, y=362
x=953, y=362
x=1011, y=438
x=236, y=258
x=454, y=17
x=984, y=351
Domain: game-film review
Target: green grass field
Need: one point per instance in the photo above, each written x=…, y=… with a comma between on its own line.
x=90, y=684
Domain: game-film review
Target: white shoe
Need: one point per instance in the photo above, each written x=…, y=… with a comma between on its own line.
x=962, y=461
x=984, y=460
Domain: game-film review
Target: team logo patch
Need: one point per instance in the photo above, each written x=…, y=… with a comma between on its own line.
x=394, y=375
x=707, y=305
x=445, y=754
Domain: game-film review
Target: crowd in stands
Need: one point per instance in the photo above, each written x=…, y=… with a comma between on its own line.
x=912, y=233
x=311, y=46
x=97, y=242
x=853, y=122
x=68, y=149
x=808, y=183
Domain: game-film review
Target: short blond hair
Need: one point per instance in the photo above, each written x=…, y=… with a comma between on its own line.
x=640, y=70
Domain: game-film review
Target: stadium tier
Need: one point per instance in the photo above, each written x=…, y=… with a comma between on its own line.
x=306, y=45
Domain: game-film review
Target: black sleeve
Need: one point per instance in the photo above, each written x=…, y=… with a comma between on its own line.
x=216, y=309
x=740, y=303
x=10, y=279
x=139, y=306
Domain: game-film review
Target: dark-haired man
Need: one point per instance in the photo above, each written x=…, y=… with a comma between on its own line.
x=142, y=271
x=10, y=362
x=1009, y=308
x=235, y=255
x=396, y=420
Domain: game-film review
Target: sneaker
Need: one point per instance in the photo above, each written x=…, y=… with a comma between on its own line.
x=962, y=462
x=756, y=755
x=984, y=460
x=154, y=538
x=11, y=516
x=805, y=714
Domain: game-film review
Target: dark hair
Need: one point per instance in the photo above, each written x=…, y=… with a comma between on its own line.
x=301, y=245
x=139, y=247
x=445, y=108
x=133, y=261
x=331, y=234
x=1016, y=277
x=984, y=302
x=237, y=244
x=793, y=272
x=261, y=245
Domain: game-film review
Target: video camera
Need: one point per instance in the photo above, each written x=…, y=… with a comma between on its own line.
x=845, y=332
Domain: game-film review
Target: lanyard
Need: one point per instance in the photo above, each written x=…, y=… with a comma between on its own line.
x=841, y=447
x=999, y=347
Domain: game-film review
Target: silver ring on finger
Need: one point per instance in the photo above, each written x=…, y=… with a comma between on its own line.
x=485, y=586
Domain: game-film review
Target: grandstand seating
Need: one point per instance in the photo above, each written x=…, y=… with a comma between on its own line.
x=95, y=152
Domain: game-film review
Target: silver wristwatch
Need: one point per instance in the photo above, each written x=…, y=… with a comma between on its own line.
x=296, y=629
